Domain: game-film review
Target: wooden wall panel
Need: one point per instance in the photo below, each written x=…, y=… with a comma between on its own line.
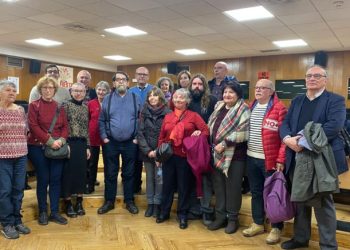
x=280, y=67
x=28, y=80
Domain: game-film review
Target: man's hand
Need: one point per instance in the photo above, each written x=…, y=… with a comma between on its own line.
x=292, y=143
x=279, y=167
x=105, y=140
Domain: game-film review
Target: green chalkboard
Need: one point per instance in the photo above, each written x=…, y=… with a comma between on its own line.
x=288, y=89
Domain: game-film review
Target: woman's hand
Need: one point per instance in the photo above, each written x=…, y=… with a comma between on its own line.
x=88, y=153
x=105, y=140
x=196, y=133
x=152, y=154
x=56, y=144
x=219, y=148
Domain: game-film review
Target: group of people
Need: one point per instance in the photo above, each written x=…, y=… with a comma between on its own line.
x=132, y=123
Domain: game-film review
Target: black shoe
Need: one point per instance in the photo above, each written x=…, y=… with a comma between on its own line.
x=43, y=218
x=193, y=216
x=149, y=210
x=57, y=218
x=207, y=219
x=156, y=210
x=79, y=208
x=27, y=187
x=292, y=244
x=131, y=207
x=107, y=206
x=97, y=183
x=70, y=212
x=232, y=226
x=89, y=189
x=183, y=223
x=217, y=224
x=161, y=218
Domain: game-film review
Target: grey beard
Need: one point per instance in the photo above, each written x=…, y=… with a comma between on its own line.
x=121, y=89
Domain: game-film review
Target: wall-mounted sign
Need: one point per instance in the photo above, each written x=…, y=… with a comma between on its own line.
x=263, y=75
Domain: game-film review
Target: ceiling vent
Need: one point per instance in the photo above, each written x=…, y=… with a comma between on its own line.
x=77, y=27
x=270, y=50
x=15, y=61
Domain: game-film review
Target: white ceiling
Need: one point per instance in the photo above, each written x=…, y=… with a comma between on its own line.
x=171, y=25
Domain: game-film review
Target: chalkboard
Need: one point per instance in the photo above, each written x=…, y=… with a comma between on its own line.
x=288, y=89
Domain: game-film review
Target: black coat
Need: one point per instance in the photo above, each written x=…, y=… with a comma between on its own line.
x=149, y=128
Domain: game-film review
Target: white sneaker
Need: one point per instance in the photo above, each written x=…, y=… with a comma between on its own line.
x=274, y=236
x=253, y=230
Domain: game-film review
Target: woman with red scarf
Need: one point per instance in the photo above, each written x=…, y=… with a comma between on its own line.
x=176, y=126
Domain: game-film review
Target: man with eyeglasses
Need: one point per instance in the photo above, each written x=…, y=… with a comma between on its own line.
x=118, y=129
x=62, y=95
x=141, y=89
x=220, y=79
x=328, y=109
x=266, y=153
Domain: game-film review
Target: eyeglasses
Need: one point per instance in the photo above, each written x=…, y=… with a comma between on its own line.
x=142, y=74
x=121, y=80
x=261, y=88
x=78, y=91
x=316, y=76
x=48, y=88
x=53, y=72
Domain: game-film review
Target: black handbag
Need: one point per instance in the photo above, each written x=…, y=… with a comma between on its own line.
x=63, y=151
x=346, y=138
x=164, y=152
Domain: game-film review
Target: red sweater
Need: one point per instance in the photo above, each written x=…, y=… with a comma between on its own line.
x=274, y=149
x=192, y=121
x=40, y=116
x=94, y=112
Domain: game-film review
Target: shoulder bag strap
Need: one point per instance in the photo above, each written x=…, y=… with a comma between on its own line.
x=54, y=119
x=107, y=115
x=135, y=111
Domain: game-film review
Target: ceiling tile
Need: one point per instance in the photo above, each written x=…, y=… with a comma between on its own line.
x=50, y=19
x=135, y=5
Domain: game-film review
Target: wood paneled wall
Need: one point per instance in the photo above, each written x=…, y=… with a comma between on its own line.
x=28, y=80
x=280, y=67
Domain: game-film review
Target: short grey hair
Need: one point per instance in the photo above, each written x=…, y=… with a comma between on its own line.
x=4, y=83
x=171, y=84
x=320, y=67
x=103, y=85
x=184, y=92
x=78, y=84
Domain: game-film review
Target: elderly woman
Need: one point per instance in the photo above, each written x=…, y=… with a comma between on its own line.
x=49, y=171
x=74, y=172
x=167, y=87
x=94, y=107
x=229, y=126
x=13, y=158
x=151, y=120
x=176, y=126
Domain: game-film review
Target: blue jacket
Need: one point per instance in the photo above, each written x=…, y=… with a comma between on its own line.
x=331, y=113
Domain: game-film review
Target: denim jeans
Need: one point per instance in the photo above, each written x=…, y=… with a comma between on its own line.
x=153, y=189
x=48, y=175
x=127, y=150
x=256, y=175
x=12, y=179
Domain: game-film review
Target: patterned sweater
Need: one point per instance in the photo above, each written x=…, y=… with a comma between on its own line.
x=13, y=141
x=78, y=120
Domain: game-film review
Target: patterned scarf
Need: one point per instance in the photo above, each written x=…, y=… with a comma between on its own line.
x=234, y=127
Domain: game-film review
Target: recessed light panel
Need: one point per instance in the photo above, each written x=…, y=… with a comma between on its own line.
x=126, y=31
x=44, y=42
x=247, y=14
x=290, y=43
x=117, y=58
x=190, y=52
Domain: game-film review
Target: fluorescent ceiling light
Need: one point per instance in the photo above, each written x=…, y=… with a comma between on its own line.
x=190, y=52
x=126, y=31
x=117, y=58
x=290, y=43
x=44, y=42
x=10, y=1
x=247, y=14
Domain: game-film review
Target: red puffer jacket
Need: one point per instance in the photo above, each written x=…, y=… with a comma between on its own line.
x=274, y=149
